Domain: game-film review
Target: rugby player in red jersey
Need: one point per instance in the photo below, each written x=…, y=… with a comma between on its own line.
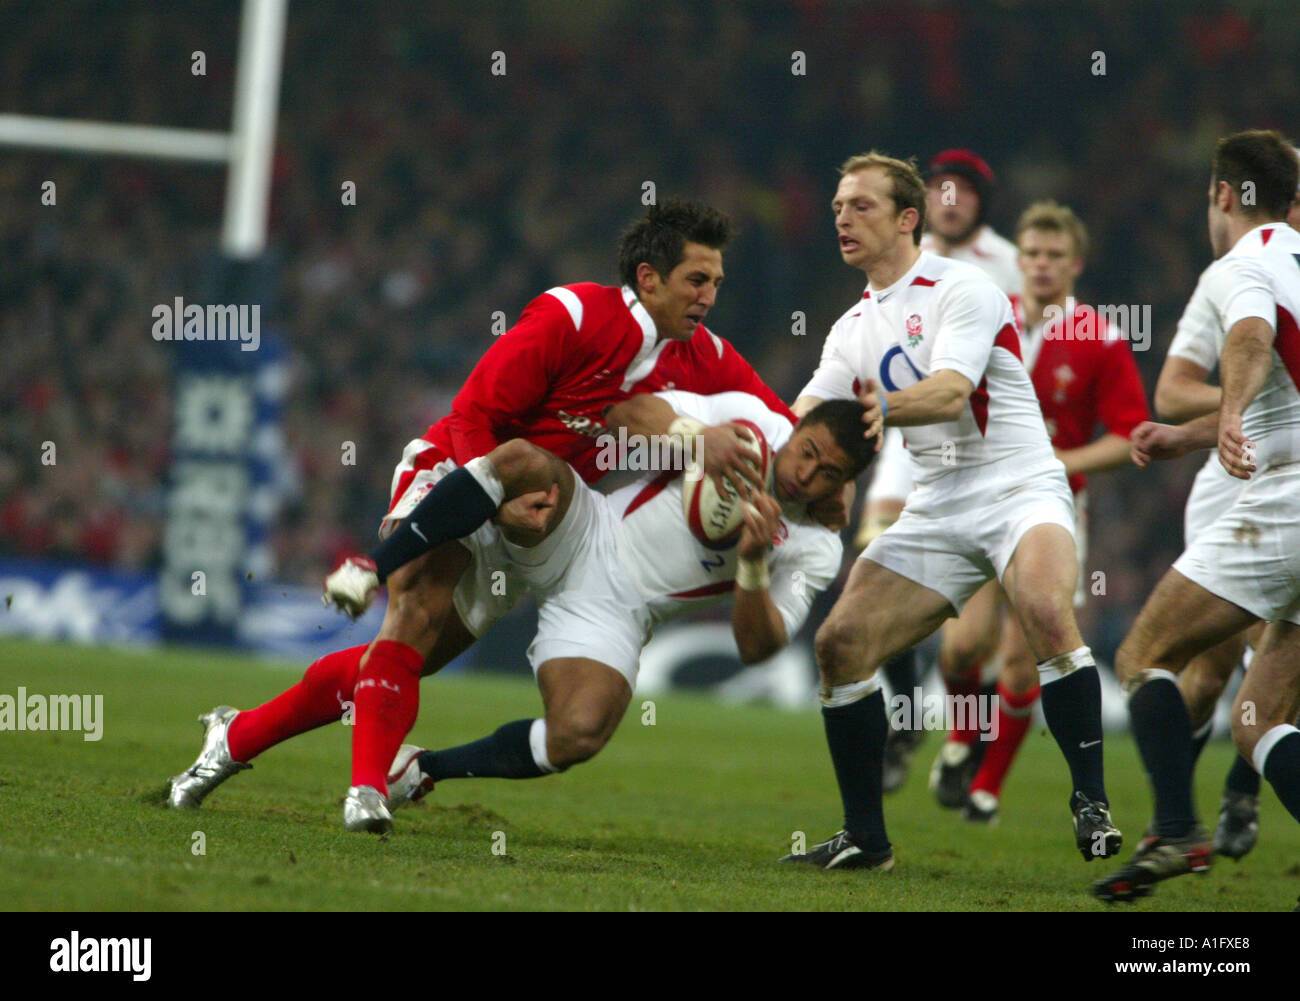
x=575, y=351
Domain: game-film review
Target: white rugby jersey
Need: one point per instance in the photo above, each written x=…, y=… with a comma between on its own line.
x=1260, y=276
x=996, y=257
x=675, y=572
x=944, y=314
x=993, y=254
x=1197, y=339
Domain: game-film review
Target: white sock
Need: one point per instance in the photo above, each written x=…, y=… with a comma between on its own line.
x=1267, y=742
x=1056, y=668
x=537, y=742
x=843, y=695
x=485, y=475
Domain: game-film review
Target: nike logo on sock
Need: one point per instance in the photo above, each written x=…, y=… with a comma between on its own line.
x=416, y=529
x=1089, y=743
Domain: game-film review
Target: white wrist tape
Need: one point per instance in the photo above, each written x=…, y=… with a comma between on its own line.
x=752, y=575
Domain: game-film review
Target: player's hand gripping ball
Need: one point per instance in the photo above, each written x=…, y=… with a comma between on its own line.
x=717, y=517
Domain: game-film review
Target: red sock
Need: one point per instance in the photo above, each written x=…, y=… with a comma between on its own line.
x=316, y=700
x=387, y=698
x=967, y=684
x=1015, y=713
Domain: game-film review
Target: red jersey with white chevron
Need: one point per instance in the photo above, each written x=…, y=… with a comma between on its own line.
x=944, y=314
x=576, y=351
x=1083, y=374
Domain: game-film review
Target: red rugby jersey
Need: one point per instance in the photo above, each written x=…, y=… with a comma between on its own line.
x=577, y=350
x=1084, y=375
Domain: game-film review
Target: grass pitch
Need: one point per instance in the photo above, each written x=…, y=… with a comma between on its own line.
x=689, y=813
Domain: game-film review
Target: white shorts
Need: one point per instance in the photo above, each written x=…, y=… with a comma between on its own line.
x=488, y=588
x=588, y=605
x=1213, y=492
x=954, y=548
x=1250, y=555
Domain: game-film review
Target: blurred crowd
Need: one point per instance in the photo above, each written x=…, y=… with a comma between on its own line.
x=475, y=190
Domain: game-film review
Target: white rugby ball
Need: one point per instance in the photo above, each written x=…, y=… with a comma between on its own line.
x=716, y=518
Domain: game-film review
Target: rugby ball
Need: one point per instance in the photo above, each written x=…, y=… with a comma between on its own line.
x=716, y=518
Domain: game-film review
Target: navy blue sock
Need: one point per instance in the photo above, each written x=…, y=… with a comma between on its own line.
x=454, y=508
x=1163, y=731
x=506, y=754
x=1242, y=778
x=1282, y=769
x=855, y=734
x=1199, y=740
x=1072, y=708
x=900, y=672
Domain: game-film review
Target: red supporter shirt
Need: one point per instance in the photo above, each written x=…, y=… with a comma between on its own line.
x=577, y=350
x=1084, y=375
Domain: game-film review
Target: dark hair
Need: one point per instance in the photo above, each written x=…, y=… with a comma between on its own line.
x=843, y=418
x=659, y=239
x=1264, y=159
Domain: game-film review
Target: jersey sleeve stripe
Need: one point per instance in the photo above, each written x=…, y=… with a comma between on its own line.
x=1008, y=339
x=1287, y=343
x=570, y=301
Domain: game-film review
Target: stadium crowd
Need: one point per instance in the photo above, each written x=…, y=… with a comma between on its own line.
x=476, y=190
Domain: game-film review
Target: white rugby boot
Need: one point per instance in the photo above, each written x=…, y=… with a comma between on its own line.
x=365, y=810
x=214, y=764
x=406, y=783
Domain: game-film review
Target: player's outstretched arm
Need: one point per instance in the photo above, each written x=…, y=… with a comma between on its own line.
x=755, y=619
x=1152, y=442
x=1110, y=451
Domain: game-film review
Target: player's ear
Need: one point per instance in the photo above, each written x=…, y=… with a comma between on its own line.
x=1223, y=196
x=647, y=278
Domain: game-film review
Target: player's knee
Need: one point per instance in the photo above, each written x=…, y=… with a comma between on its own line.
x=519, y=463
x=1019, y=673
x=835, y=644
x=1047, y=618
x=575, y=737
x=963, y=653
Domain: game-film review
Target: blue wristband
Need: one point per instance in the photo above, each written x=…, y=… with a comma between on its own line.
x=884, y=408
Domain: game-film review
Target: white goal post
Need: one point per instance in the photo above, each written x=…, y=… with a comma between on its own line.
x=247, y=149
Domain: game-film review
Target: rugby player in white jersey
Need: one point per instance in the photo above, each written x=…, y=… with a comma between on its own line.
x=1245, y=566
x=959, y=185
x=959, y=192
x=932, y=348
x=1183, y=394
x=606, y=570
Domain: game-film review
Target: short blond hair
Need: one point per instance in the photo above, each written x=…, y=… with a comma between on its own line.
x=1054, y=218
x=905, y=185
